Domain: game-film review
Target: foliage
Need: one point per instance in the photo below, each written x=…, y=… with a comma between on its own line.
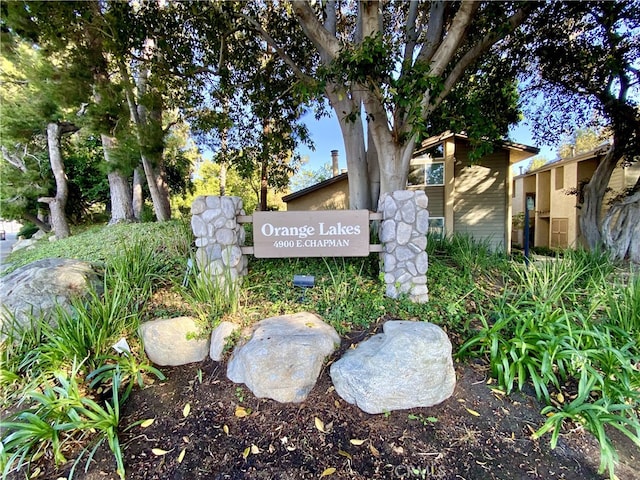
x=581, y=141
x=566, y=327
x=58, y=370
x=306, y=177
x=559, y=323
x=61, y=415
x=170, y=243
x=211, y=295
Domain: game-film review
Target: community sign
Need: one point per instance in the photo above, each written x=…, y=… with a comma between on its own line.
x=324, y=233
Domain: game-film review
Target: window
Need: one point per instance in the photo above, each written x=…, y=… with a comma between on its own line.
x=436, y=226
x=559, y=178
x=426, y=174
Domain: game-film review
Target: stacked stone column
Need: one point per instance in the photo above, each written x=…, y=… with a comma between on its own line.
x=219, y=237
x=403, y=234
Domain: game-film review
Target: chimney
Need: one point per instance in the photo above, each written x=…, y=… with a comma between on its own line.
x=334, y=162
x=520, y=169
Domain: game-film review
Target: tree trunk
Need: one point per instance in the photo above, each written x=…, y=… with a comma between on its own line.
x=374, y=171
x=621, y=229
x=58, y=203
x=29, y=217
x=353, y=136
x=158, y=188
x=137, y=198
x=223, y=179
x=264, y=183
x=121, y=204
x=594, y=192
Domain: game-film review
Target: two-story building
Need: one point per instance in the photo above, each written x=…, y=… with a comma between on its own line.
x=556, y=191
x=465, y=196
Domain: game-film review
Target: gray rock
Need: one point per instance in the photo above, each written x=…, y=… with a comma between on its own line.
x=24, y=243
x=403, y=233
x=172, y=341
x=219, y=338
x=283, y=357
x=198, y=206
x=198, y=226
x=35, y=289
x=212, y=201
x=407, y=366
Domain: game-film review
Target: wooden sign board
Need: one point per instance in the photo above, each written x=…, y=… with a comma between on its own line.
x=322, y=233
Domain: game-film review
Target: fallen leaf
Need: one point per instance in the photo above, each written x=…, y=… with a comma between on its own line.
x=319, y=424
x=181, y=456
x=186, y=410
x=185, y=439
x=497, y=391
x=147, y=423
x=560, y=397
x=246, y=452
x=242, y=412
x=356, y=441
x=473, y=412
x=159, y=451
x=328, y=471
x=345, y=454
x=374, y=451
x=254, y=449
x=225, y=429
x=399, y=450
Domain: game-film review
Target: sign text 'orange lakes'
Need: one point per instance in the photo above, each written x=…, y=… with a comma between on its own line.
x=327, y=233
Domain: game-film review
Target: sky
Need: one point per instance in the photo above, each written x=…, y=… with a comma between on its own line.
x=327, y=136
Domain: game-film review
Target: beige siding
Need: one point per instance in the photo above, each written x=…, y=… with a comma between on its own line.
x=332, y=197
x=436, y=200
x=481, y=197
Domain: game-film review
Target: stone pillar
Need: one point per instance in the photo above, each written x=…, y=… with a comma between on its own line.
x=403, y=233
x=219, y=237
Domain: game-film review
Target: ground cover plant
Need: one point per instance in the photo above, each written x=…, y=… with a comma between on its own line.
x=559, y=337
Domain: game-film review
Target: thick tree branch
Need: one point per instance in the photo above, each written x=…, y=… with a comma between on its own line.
x=273, y=44
x=471, y=57
x=411, y=34
x=370, y=17
x=15, y=160
x=326, y=44
x=455, y=36
x=331, y=19
x=434, y=32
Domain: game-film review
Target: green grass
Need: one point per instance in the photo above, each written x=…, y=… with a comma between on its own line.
x=566, y=327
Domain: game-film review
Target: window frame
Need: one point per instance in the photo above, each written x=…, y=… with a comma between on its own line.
x=442, y=230
x=424, y=164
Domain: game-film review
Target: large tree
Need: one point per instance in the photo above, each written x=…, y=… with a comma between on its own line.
x=399, y=62
x=35, y=102
x=250, y=112
x=587, y=74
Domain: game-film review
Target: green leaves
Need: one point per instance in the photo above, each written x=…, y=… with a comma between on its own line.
x=548, y=329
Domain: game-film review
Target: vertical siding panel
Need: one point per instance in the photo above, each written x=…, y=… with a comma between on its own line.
x=481, y=204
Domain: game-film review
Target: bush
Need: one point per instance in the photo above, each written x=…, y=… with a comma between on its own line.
x=28, y=230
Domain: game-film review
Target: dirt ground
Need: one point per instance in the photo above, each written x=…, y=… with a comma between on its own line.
x=226, y=433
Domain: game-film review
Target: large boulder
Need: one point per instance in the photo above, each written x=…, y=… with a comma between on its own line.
x=174, y=341
x=407, y=366
x=34, y=290
x=284, y=356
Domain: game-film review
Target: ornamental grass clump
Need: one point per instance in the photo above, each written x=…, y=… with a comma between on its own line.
x=562, y=323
